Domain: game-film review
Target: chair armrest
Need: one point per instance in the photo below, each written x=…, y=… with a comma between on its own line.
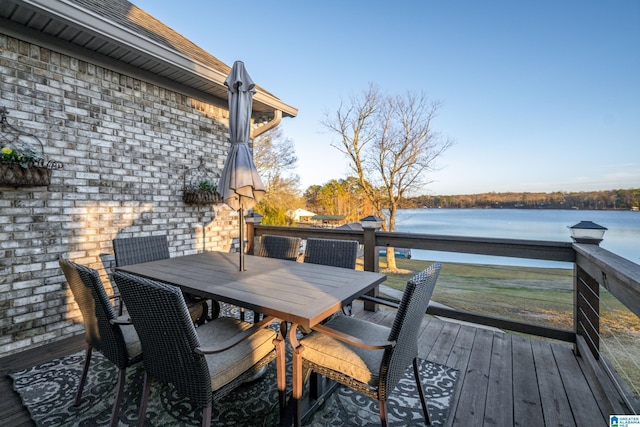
x=236, y=339
x=350, y=339
x=117, y=302
x=121, y=320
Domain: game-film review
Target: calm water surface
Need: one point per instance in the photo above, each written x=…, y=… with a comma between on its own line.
x=621, y=238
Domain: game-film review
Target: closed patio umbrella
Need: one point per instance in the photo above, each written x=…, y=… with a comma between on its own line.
x=240, y=185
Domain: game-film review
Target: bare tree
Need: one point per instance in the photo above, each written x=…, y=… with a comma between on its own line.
x=355, y=124
x=275, y=159
x=390, y=145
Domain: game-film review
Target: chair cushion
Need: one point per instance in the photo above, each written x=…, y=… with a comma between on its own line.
x=131, y=340
x=357, y=363
x=225, y=366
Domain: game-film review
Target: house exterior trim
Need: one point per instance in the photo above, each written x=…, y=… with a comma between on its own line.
x=176, y=61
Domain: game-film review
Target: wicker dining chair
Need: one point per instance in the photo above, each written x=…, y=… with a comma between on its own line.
x=203, y=363
x=336, y=253
x=117, y=342
x=109, y=265
x=280, y=247
x=139, y=249
x=365, y=356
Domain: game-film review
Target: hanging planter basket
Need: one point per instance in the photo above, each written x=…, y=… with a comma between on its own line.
x=22, y=161
x=14, y=175
x=200, y=186
x=200, y=197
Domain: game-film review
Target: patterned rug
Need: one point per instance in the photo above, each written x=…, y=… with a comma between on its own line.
x=47, y=390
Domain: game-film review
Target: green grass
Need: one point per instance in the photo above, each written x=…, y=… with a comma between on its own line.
x=535, y=295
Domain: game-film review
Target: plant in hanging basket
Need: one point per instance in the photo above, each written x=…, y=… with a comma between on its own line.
x=25, y=158
x=23, y=169
x=202, y=193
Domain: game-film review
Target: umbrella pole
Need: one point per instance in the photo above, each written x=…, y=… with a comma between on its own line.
x=241, y=220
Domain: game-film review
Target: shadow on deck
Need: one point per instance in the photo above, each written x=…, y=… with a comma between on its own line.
x=505, y=379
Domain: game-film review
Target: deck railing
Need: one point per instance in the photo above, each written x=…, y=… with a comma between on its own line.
x=593, y=267
x=597, y=268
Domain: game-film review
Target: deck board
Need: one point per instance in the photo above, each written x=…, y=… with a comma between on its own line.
x=555, y=406
x=504, y=379
x=444, y=343
x=499, y=409
x=584, y=406
x=458, y=358
x=470, y=407
x=12, y=413
x=428, y=336
x=526, y=393
x=11, y=407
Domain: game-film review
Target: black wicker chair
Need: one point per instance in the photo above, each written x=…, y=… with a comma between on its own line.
x=337, y=253
x=109, y=264
x=365, y=356
x=203, y=364
x=118, y=342
x=280, y=247
x=136, y=250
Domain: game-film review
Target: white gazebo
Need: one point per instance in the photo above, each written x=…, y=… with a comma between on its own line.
x=300, y=215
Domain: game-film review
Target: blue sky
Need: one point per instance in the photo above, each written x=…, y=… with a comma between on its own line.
x=537, y=95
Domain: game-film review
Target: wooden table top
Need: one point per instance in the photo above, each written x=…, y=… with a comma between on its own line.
x=296, y=292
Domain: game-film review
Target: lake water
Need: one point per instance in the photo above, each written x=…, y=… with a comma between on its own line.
x=621, y=238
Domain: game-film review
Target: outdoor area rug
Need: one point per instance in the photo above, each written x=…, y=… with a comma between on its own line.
x=48, y=391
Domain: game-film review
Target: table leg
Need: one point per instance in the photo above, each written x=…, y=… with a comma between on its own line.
x=281, y=371
x=297, y=410
x=298, y=381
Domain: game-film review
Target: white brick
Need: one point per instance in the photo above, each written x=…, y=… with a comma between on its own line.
x=122, y=142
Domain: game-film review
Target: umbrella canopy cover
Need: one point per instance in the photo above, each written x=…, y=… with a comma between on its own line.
x=240, y=185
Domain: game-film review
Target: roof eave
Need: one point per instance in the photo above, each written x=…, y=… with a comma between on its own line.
x=125, y=37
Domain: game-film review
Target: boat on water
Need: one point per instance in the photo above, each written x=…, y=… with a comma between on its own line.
x=399, y=252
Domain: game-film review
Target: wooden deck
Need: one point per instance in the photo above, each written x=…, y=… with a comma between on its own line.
x=508, y=380
x=12, y=413
x=504, y=379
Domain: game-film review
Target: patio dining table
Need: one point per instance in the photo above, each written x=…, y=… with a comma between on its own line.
x=302, y=294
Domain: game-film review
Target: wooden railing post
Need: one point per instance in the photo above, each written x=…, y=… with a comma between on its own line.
x=371, y=263
x=587, y=310
x=251, y=234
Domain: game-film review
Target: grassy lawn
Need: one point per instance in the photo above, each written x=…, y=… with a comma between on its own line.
x=533, y=295
x=539, y=296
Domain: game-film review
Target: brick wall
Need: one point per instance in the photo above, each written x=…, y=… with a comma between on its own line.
x=125, y=145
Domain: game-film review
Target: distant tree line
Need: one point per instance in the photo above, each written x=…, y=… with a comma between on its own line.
x=345, y=197
x=339, y=197
x=602, y=200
